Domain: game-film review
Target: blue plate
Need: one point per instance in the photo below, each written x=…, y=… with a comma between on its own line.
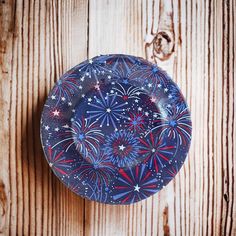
x=115, y=129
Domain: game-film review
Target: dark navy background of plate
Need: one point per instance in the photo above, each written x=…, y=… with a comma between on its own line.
x=115, y=129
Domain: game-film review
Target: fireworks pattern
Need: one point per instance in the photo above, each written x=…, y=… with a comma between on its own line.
x=134, y=184
x=156, y=151
x=175, y=123
x=83, y=134
x=147, y=72
x=137, y=122
x=106, y=110
x=115, y=129
x=131, y=92
x=65, y=89
x=96, y=168
x=123, y=148
x=58, y=162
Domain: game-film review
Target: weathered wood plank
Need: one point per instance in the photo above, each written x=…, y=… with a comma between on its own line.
x=187, y=39
x=36, y=48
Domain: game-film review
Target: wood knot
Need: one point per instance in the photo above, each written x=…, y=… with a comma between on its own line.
x=3, y=205
x=163, y=45
x=160, y=43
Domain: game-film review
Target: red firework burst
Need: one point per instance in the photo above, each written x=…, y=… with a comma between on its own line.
x=136, y=121
x=58, y=162
x=155, y=151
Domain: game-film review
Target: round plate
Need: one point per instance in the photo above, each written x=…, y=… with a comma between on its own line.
x=115, y=129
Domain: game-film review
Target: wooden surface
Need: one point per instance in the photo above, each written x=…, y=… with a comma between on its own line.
x=193, y=40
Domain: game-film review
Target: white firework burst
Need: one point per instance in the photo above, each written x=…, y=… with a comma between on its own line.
x=107, y=110
x=84, y=135
x=175, y=122
x=125, y=94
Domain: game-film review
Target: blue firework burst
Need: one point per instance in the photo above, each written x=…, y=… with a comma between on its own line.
x=134, y=184
x=123, y=148
x=84, y=134
x=107, y=110
x=151, y=73
x=121, y=65
x=176, y=97
x=156, y=151
x=94, y=68
x=65, y=88
x=175, y=123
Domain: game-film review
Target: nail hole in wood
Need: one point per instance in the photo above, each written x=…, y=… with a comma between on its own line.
x=226, y=197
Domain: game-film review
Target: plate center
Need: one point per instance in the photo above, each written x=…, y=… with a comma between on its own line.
x=112, y=120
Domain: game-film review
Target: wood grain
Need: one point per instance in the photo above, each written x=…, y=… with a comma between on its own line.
x=36, y=39
x=194, y=41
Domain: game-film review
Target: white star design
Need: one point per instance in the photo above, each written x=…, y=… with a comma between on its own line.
x=69, y=103
x=136, y=188
x=122, y=147
x=57, y=129
x=166, y=89
x=146, y=113
x=136, y=100
x=149, y=85
x=82, y=79
x=65, y=126
x=159, y=85
x=153, y=99
x=46, y=127
x=90, y=99
x=97, y=86
x=53, y=97
x=63, y=98
x=170, y=96
x=80, y=87
x=108, y=110
x=73, y=110
x=139, y=108
x=56, y=113
x=90, y=61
